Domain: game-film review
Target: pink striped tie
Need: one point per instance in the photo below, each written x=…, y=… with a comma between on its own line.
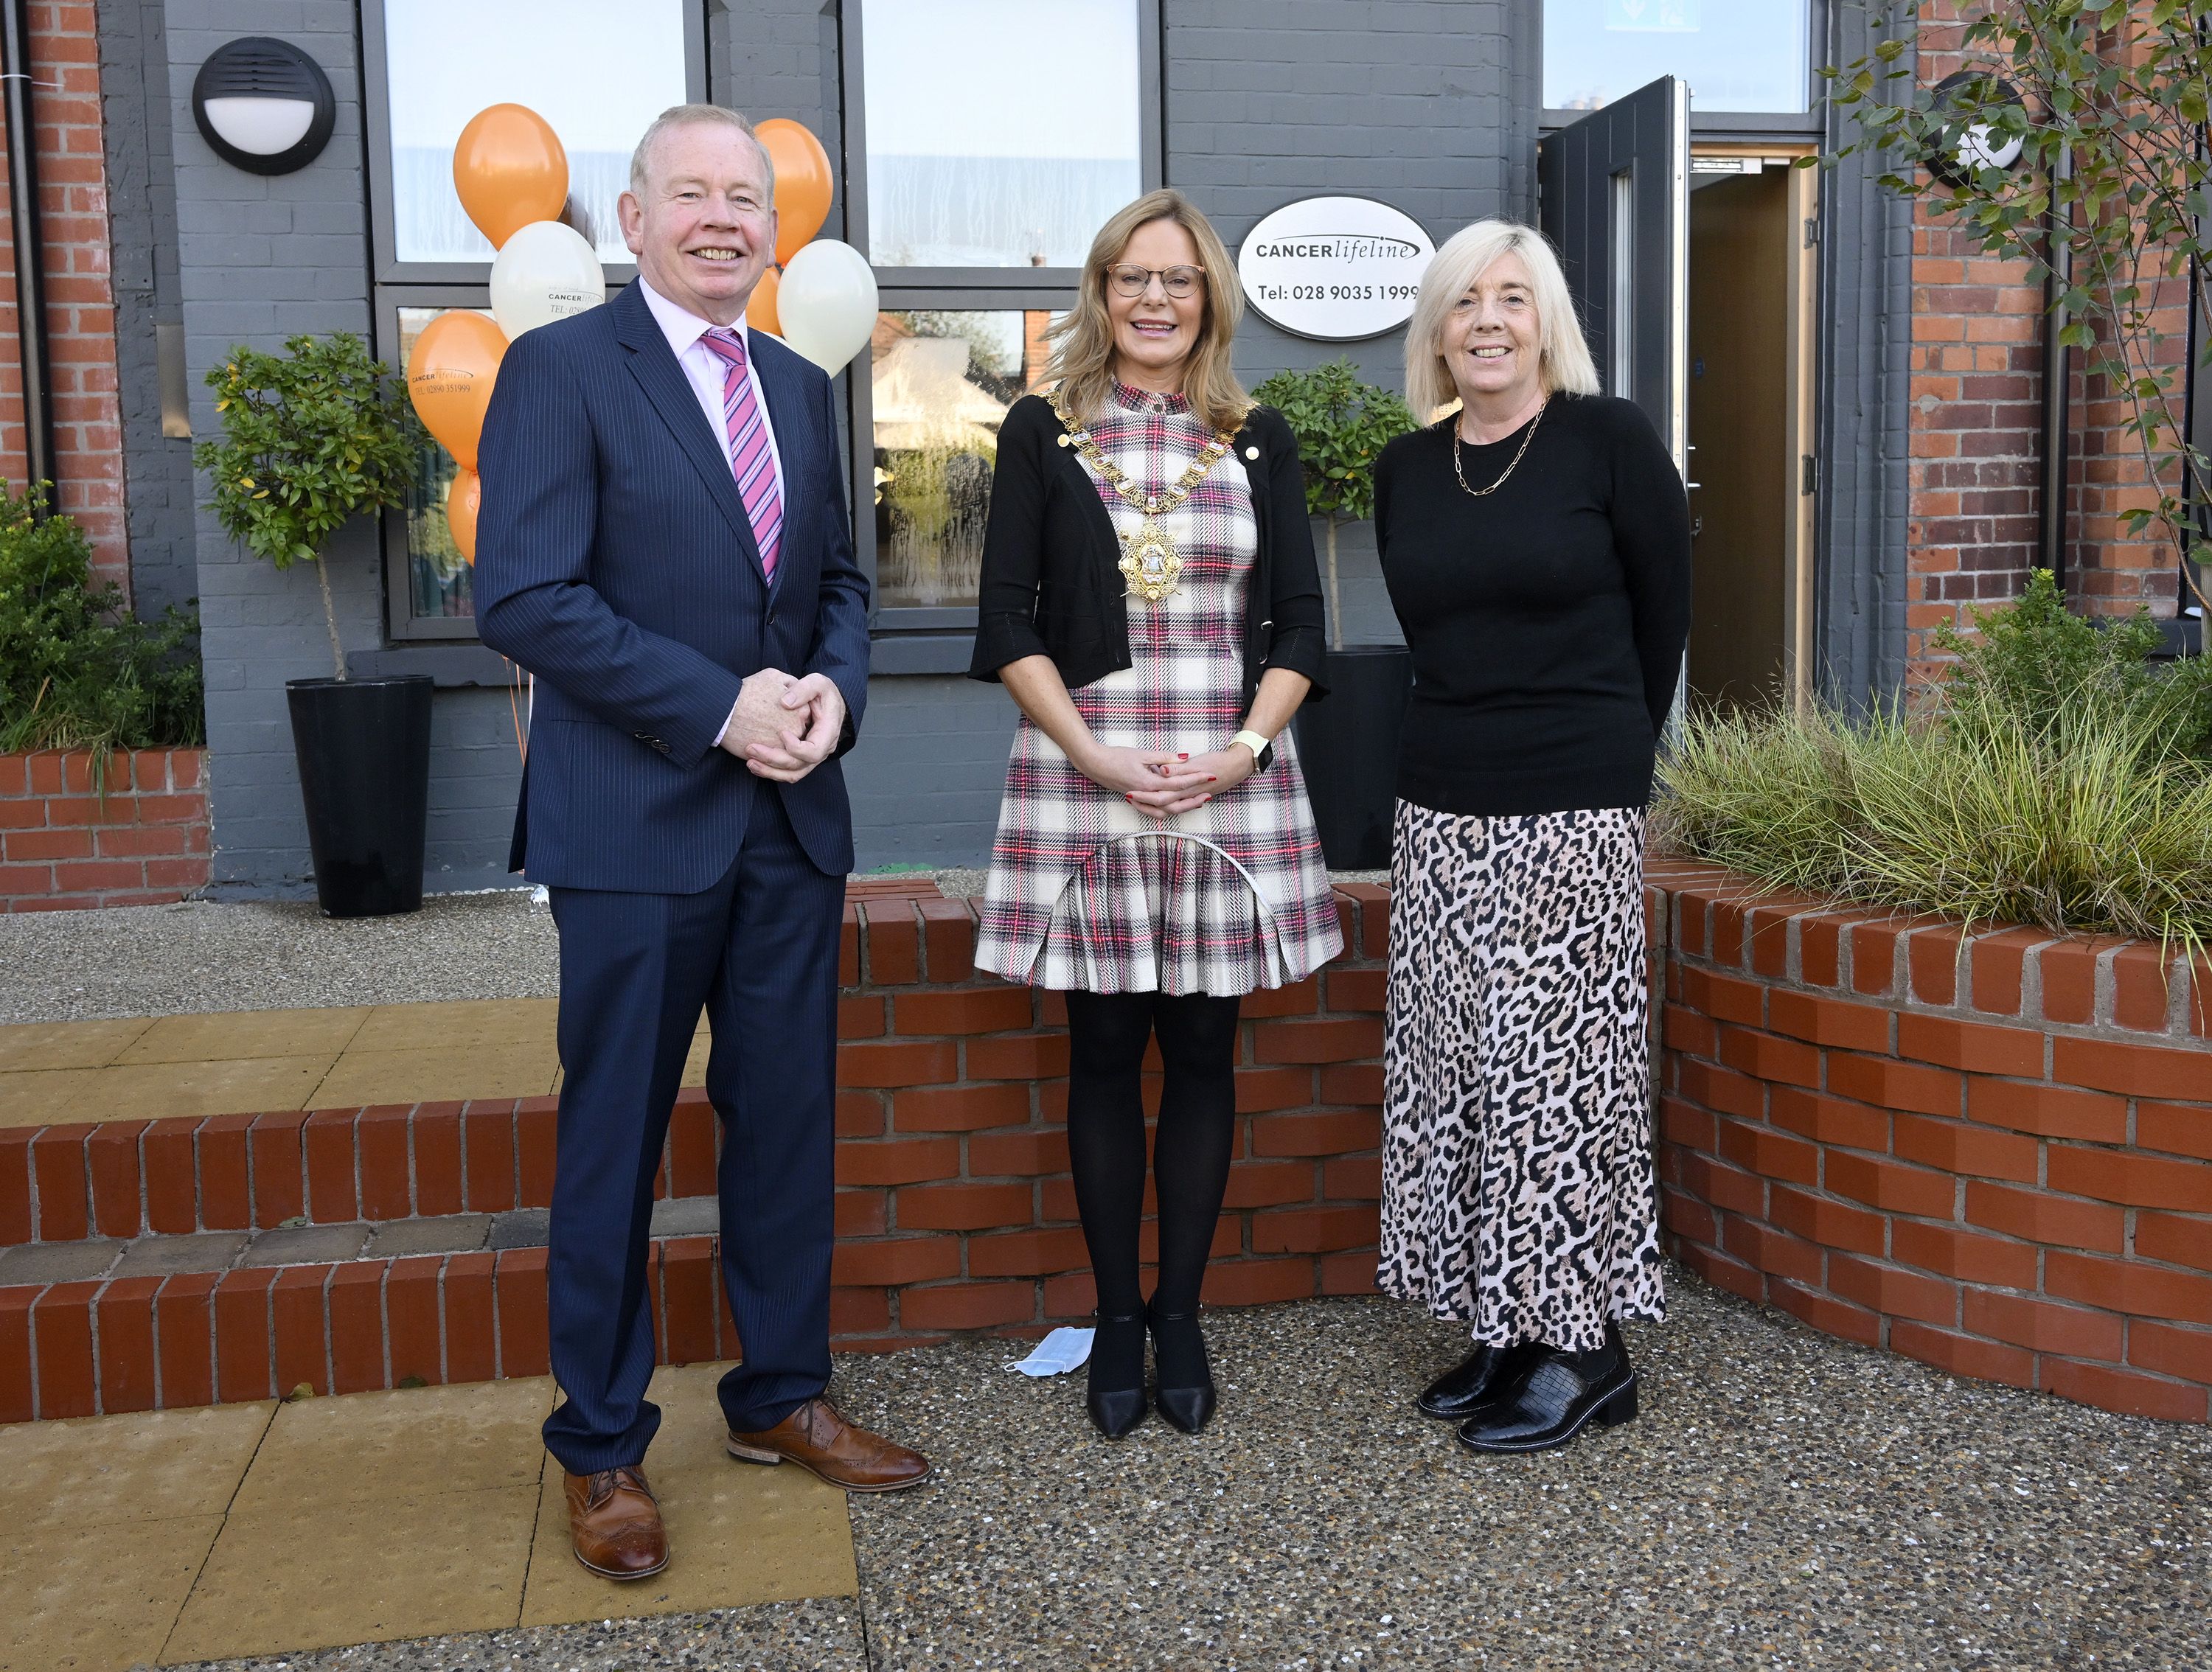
x=750, y=459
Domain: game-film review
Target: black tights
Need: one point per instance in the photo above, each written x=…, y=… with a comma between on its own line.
x=1106, y=1033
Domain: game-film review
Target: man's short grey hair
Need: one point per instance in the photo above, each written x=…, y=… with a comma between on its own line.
x=695, y=116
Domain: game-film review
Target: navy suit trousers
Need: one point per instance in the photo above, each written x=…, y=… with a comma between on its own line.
x=758, y=953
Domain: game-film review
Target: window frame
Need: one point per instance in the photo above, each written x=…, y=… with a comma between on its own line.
x=1152, y=169
x=1724, y=124
x=394, y=284
x=920, y=638
x=385, y=267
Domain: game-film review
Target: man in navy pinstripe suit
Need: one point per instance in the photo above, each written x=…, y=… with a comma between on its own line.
x=663, y=542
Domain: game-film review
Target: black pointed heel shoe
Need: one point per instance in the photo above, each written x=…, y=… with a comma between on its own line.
x=1555, y=1397
x=1115, y=1399
x=1475, y=1380
x=1185, y=1396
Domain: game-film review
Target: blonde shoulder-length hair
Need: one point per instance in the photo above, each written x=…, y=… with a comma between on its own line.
x=1564, y=360
x=1082, y=340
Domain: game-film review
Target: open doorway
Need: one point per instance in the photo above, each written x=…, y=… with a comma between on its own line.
x=1752, y=221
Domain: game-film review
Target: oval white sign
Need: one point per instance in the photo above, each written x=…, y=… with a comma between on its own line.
x=1337, y=269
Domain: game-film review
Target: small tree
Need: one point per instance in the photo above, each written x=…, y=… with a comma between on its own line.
x=312, y=438
x=2108, y=100
x=1341, y=424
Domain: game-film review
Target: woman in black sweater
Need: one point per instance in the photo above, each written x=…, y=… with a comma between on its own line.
x=1536, y=544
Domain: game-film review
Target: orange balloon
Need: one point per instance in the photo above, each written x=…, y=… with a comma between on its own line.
x=760, y=311
x=450, y=372
x=461, y=502
x=803, y=183
x=510, y=170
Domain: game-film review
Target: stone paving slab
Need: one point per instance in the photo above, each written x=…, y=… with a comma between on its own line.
x=1786, y=1500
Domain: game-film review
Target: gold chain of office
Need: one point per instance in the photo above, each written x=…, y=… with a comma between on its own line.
x=1459, y=471
x=1149, y=562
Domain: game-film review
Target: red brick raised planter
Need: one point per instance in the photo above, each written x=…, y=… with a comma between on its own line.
x=1990, y=1152
x=62, y=845
x=1998, y=1161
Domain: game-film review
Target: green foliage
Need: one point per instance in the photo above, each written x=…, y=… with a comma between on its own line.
x=2118, y=92
x=2064, y=780
x=310, y=439
x=1341, y=424
x=76, y=670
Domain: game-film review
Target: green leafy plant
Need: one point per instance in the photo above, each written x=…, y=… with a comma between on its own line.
x=2064, y=780
x=77, y=670
x=2108, y=101
x=1341, y=425
x=312, y=438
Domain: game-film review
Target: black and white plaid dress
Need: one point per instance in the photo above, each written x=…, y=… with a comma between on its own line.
x=1086, y=891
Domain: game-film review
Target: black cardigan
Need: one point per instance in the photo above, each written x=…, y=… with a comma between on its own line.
x=1052, y=585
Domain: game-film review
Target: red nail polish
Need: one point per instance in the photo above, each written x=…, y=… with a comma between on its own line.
x=1183, y=757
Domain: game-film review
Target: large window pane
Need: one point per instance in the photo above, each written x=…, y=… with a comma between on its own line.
x=437, y=574
x=1736, y=55
x=982, y=152
x=941, y=384
x=597, y=73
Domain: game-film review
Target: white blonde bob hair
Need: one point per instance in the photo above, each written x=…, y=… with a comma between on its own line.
x=1564, y=360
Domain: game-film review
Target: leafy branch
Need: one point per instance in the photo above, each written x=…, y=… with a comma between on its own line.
x=312, y=438
x=1341, y=425
x=2108, y=102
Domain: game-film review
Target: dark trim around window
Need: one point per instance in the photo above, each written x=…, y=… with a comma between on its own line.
x=376, y=105
x=1730, y=124
x=1015, y=281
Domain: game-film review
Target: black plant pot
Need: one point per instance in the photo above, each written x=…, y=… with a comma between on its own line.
x=1348, y=747
x=364, y=752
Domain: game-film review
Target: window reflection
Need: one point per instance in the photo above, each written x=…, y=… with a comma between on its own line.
x=598, y=84
x=1736, y=55
x=941, y=383
x=980, y=154
x=437, y=574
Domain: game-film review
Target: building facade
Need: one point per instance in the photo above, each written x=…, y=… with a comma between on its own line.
x=976, y=144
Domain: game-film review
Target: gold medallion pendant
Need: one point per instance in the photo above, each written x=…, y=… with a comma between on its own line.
x=1149, y=562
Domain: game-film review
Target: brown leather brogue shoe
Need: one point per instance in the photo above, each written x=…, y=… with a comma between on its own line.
x=816, y=1438
x=614, y=1523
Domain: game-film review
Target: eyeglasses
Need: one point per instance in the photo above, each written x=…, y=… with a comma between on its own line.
x=1132, y=281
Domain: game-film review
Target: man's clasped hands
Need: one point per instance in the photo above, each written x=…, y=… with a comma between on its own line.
x=783, y=726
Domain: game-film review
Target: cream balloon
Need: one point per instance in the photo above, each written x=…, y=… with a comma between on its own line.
x=826, y=303
x=546, y=270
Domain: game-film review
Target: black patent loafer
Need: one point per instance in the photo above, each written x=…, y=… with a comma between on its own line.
x=1475, y=1380
x=1557, y=1396
x=1115, y=1409
x=1177, y=1339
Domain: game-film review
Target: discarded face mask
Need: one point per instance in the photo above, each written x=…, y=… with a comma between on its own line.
x=1064, y=1350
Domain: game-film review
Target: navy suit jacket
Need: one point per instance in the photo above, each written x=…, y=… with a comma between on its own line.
x=615, y=561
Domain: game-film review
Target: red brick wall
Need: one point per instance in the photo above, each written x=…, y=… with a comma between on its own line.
x=62, y=843
x=954, y=1206
x=1990, y=1152
x=79, y=304
x=1976, y=427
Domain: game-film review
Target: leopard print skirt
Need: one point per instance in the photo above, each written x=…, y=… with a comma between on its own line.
x=1518, y=1187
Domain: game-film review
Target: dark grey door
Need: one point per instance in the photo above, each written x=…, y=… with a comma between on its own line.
x=1615, y=199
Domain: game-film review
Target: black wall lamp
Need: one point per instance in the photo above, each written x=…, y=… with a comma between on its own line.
x=263, y=105
x=1979, y=146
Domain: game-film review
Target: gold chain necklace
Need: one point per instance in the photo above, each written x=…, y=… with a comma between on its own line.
x=1459, y=471
x=1149, y=562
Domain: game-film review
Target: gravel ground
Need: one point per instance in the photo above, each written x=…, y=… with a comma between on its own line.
x=1786, y=1500
x=84, y=966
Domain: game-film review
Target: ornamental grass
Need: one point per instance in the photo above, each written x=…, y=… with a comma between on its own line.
x=2060, y=777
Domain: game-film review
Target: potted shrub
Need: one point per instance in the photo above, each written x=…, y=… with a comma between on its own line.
x=1349, y=743
x=312, y=439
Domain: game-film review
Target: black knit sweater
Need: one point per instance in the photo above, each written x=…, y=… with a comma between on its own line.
x=1547, y=620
